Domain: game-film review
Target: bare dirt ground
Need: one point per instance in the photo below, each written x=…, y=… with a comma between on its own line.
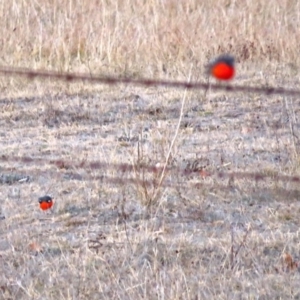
x=221, y=221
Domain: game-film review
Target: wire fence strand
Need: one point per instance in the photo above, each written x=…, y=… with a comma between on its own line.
x=111, y=80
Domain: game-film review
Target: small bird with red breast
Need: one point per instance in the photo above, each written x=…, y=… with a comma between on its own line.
x=222, y=68
x=46, y=202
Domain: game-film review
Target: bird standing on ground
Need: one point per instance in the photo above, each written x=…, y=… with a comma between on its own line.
x=46, y=202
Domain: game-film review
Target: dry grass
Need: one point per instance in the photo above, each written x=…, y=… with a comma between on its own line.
x=149, y=235
x=145, y=38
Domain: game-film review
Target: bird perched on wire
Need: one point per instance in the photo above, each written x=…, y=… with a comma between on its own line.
x=222, y=68
x=46, y=202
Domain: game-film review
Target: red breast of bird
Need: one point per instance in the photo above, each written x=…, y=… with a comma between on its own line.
x=222, y=68
x=46, y=202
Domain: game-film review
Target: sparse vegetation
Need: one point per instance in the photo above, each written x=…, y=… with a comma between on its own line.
x=160, y=217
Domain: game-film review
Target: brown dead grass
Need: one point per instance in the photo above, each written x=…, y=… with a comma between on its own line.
x=204, y=237
x=144, y=38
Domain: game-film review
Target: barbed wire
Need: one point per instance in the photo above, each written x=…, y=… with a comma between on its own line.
x=111, y=80
x=138, y=167
x=135, y=176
